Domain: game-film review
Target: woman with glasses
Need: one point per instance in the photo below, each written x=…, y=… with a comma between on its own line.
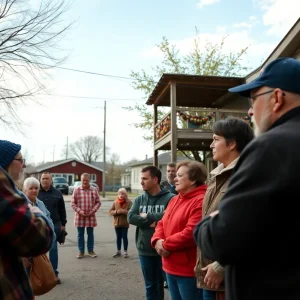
x=24, y=230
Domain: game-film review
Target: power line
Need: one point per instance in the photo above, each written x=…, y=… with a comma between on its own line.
x=93, y=98
x=98, y=74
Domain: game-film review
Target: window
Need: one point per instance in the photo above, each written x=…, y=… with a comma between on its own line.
x=93, y=177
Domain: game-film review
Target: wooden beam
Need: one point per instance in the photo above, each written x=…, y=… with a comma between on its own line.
x=162, y=93
x=155, y=158
x=164, y=140
x=154, y=122
x=173, y=122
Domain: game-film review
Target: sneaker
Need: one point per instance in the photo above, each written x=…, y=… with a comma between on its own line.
x=165, y=285
x=80, y=255
x=58, y=281
x=92, y=254
x=117, y=254
x=125, y=255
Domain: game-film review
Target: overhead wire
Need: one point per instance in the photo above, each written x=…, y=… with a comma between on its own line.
x=93, y=98
x=98, y=74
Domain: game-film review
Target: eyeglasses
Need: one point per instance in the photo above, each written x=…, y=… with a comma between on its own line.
x=21, y=160
x=252, y=98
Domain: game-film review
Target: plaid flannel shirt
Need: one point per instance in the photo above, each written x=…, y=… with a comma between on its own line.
x=22, y=234
x=87, y=201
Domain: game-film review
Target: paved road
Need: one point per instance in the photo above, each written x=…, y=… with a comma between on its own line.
x=104, y=277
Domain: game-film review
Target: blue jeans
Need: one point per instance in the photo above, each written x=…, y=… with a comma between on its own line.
x=53, y=253
x=122, y=233
x=209, y=295
x=152, y=271
x=183, y=288
x=90, y=238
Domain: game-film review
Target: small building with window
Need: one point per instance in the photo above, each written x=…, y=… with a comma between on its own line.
x=71, y=169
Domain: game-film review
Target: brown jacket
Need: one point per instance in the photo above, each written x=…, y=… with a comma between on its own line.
x=120, y=214
x=216, y=189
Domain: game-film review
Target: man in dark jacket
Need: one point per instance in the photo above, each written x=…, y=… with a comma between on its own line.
x=54, y=201
x=169, y=184
x=254, y=231
x=146, y=211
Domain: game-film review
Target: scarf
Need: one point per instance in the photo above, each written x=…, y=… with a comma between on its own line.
x=122, y=202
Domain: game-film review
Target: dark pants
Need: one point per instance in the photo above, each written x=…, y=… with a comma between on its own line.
x=90, y=238
x=209, y=295
x=53, y=253
x=122, y=233
x=152, y=271
x=183, y=288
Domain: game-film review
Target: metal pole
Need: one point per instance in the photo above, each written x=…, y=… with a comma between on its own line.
x=104, y=152
x=67, y=150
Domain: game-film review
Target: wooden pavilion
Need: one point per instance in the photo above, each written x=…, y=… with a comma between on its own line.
x=195, y=102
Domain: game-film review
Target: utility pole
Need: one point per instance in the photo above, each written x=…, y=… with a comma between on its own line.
x=53, y=152
x=67, y=149
x=104, y=151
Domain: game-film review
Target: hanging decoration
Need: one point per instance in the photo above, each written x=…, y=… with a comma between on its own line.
x=245, y=118
x=197, y=120
x=162, y=128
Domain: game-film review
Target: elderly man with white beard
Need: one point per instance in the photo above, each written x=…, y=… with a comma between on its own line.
x=254, y=231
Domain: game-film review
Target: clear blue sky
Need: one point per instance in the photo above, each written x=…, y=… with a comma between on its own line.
x=115, y=37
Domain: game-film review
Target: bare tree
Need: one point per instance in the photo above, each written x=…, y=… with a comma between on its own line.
x=29, y=41
x=114, y=170
x=88, y=148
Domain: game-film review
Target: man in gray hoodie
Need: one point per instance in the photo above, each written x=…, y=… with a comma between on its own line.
x=145, y=212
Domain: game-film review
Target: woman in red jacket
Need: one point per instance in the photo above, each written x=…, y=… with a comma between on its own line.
x=173, y=237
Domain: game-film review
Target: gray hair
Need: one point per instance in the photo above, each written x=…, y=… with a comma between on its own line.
x=30, y=181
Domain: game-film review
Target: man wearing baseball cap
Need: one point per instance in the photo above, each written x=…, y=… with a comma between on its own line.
x=254, y=232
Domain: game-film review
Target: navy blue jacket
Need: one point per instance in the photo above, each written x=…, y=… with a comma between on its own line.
x=256, y=231
x=54, y=202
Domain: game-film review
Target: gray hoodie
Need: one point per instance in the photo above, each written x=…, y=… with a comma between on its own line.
x=154, y=206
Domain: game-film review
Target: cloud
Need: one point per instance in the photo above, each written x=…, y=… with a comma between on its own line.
x=242, y=25
x=278, y=15
x=203, y=3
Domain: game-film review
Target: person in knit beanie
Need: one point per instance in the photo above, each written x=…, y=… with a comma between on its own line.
x=24, y=230
x=11, y=159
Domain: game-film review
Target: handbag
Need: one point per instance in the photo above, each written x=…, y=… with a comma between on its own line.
x=220, y=296
x=42, y=276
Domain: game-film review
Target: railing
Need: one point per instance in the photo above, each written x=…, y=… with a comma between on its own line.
x=196, y=118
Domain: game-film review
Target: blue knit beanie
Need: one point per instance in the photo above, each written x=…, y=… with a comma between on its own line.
x=8, y=152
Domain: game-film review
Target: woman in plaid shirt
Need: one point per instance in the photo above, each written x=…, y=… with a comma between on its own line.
x=24, y=232
x=85, y=202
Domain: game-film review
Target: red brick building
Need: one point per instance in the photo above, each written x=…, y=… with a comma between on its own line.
x=71, y=169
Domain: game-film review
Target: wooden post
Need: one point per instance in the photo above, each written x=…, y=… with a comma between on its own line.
x=155, y=152
x=173, y=123
x=155, y=158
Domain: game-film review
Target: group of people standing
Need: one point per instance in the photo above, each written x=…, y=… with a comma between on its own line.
x=227, y=237
x=33, y=219
x=167, y=213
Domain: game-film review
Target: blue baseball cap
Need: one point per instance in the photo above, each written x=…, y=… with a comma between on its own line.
x=282, y=73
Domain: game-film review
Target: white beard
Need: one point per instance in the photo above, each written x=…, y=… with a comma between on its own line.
x=265, y=123
x=257, y=131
